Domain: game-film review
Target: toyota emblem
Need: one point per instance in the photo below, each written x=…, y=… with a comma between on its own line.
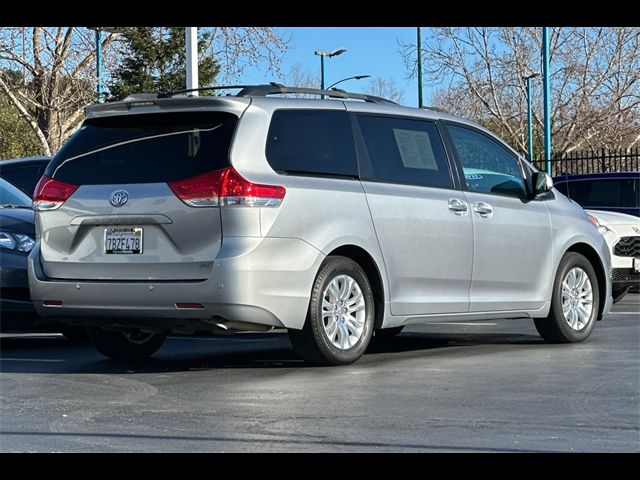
x=119, y=198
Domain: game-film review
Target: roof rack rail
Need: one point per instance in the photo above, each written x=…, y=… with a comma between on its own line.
x=274, y=88
x=434, y=109
x=201, y=89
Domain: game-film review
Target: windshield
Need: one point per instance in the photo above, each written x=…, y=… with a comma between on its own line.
x=13, y=196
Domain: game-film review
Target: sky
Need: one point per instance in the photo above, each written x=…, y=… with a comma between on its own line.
x=370, y=51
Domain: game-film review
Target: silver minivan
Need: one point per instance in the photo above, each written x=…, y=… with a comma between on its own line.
x=337, y=219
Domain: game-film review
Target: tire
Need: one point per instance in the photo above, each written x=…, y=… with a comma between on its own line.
x=556, y=328
x=387, y=333
x=133, y=345
x=343, y=338
x=620, y=294
x=76, y=335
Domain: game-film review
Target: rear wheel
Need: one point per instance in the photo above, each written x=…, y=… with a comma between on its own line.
x=340, y=318
x=574, y=303
x=125, y=345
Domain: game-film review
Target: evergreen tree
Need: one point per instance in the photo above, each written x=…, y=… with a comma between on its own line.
x=153, y=60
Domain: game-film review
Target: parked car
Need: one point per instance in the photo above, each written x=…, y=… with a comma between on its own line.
x=17, y=238
x=612, y=192
x=331, y=218
x=622, y=233
x=24, y=173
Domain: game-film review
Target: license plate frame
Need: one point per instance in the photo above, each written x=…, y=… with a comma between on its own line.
x=113, y=234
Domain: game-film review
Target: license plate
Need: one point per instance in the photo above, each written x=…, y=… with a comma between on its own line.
x=636, y=265
x=123, y=241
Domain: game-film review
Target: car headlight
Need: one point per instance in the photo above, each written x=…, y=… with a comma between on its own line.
x=16, y=241
x=601, y=228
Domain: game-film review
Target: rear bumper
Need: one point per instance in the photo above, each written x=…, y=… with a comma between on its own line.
x=253, y=280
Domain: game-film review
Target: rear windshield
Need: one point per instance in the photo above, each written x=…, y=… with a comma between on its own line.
x=147, y=148
x=611, y=192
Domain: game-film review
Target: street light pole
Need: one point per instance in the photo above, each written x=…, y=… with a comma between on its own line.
x=419, y=50
x=547, y=99
x=530, y=113
x=99, y=64
x=323, y=54
x=98, y=37
x=356, y=77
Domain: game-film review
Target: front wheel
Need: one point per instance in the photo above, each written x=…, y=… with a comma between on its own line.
x=125, y=345
x=340, y=318
x=574, y=303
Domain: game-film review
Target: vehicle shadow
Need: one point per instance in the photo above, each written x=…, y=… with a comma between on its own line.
x=256, y=351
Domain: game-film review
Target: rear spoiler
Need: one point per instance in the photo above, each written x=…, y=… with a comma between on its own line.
x=149, y=103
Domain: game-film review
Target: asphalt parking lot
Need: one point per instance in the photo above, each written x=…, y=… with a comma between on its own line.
x=487, y=387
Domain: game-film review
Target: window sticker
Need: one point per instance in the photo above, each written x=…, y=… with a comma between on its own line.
x=415, y=149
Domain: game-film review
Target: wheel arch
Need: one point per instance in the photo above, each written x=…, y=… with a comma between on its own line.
x=371, y=269
x=590, y=254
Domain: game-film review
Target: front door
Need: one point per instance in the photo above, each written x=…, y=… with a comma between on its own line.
x=512, y=234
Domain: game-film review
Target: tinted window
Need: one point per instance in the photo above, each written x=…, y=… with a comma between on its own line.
x=145, y=148
x=12, y=195
x=25, y=178
x=488, y=167
x=561, y=187
x=405, y=151
x=613, y=192
x=311, y=141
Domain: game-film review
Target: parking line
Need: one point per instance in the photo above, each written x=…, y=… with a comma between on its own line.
x=624, y=313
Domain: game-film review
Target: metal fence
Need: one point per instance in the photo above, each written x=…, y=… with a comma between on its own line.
x=594, y=162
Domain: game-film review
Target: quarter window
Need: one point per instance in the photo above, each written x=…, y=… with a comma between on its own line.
x=488, y=167
x=405, y=151
x=312, y=142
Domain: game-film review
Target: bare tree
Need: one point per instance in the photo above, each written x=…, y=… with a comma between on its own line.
x=385, y=88
x=594, y=81
x=299, y=77
x=48, y=74
x=236, y=48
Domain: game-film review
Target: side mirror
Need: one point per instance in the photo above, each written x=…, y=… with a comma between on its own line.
x=542, y=183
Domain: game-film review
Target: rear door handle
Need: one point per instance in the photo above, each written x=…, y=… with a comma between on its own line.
x=484, y=209
x=457, y=206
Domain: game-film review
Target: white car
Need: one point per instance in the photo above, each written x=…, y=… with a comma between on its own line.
x=622, y=233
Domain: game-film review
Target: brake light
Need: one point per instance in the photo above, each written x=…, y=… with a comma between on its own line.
x=51, y=193
x=200, y=191
x=226, y=187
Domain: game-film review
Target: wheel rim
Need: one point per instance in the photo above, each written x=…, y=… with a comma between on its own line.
x=343, y=312
x=137, y=336
x=577, y=298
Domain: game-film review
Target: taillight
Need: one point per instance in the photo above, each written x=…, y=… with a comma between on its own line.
x=51, y=193
x=200, y=191
x=226, y=187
